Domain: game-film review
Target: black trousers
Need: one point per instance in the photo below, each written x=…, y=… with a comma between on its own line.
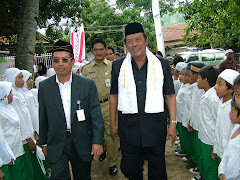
x=60, y=170
x=133, y=160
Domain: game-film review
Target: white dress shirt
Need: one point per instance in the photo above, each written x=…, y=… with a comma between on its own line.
x=180, y=99
x=224, y=127
x=208, y=116
x=187, y=105
x=230, y=163
x=194, y=114
x=65, y=91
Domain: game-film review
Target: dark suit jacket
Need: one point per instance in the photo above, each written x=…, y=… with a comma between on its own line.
x=53, y=128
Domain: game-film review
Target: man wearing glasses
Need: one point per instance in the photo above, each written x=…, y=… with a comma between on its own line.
x=100, y=70
x=71, y=125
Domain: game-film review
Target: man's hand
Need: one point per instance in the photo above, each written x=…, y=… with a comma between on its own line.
x=114, y=133
x=172, y=132
x=97, y=150
x=31, y=144
x=222, y=177
x=44, y=150
x=1, y=175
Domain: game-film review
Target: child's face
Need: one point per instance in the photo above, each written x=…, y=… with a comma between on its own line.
x=201, y=82
x=221, y=88
x=10, y=97
x=176, y=73
x=30, y=83
x=193, y=76
x=19, y=82
x=187, y=77
x=234, y=115
x=182, y=76
x=237, y=95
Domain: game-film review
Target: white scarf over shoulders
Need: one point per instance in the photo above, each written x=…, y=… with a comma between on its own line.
x=127, y=97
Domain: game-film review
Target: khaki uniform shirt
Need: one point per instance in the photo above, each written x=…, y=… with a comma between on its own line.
x=101, y=75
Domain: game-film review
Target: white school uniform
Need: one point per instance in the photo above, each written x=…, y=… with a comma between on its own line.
x=180, y=100
x=194, y=114
x=6, y=153
x=230, y=163
x=177, y=84
x=187, y=106
x=9, y=121
x=12, y=134
x=208, y=116
x=31, y=102
x=20, y=106
x=223, y=129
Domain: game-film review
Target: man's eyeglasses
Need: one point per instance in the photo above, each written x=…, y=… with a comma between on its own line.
x=64, y=60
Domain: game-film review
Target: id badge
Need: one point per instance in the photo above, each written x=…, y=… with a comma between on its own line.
x=81, y=115
x=108, y=82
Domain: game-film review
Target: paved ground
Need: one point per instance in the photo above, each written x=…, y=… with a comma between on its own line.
x=176, y=168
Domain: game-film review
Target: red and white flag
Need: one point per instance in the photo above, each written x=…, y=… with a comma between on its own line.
x=78, y=43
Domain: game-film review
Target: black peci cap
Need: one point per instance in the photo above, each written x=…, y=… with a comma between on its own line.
x=62, y=46
x=133, y=28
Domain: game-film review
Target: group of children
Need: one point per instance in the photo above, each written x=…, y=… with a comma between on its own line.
x=20, y=156
x=209, y=136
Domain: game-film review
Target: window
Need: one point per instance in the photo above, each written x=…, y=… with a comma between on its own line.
x=208, y=57
x=193, y=57
x=219, y=56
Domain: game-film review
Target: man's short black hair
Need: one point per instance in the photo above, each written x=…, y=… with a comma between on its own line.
x=99, y=40
x=211, y=73
x=177, y=59
x=111, y=49
x=160, y=53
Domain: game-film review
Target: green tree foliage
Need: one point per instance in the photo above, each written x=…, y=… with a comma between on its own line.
x=212, y=23
x=145, y=8
x=94, y=14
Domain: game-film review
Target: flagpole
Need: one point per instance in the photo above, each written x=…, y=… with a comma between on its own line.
x=158, y=26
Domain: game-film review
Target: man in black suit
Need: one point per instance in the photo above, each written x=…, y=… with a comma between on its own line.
x=71, y=125
x=141, y=83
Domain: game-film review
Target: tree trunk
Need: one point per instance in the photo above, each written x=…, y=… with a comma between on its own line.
x=26, y=34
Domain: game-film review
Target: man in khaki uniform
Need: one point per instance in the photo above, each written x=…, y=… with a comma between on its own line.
x=100, y=70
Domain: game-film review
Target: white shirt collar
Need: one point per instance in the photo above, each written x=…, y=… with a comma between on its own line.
x=69, y=81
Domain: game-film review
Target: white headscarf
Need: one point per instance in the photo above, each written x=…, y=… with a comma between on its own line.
x=38, y=80
x=6, y=110
x=19, y=104
x=31, y=102
x=10, y=75
x=50, y=72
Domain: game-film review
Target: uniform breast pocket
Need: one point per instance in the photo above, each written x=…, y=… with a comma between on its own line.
x=92, y=75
